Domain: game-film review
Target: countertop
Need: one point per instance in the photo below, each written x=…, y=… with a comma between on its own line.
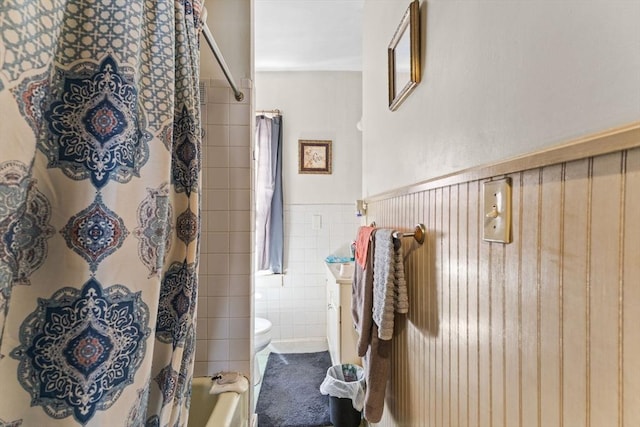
x=334, y=268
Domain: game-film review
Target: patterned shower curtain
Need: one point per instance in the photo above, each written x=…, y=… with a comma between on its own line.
x=99, y=211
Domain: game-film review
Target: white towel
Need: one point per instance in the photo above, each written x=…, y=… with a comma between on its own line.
x=389, y=285
x=229, y=381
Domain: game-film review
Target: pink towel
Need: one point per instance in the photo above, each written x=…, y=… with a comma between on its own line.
x=362, y=244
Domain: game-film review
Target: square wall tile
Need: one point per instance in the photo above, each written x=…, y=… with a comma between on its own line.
x=213, y=367
x=217, y=200
x=217, y=136
x=240, y=285
x=218, y=95
x=217, y=114
x=239, y=136
x=239, y=307
x=243, y=366
x=217, y=286
x=218, y=306
x=239, y=200
x=218, y=157
x=218, y=178
x=218, y=350
x=239, y=263
x=239, y=178
x=239, y=114
x=239, y=349
x=217, y=242
x=202, y=307
x=218, y=328
x=240, y=328
x=240, y=242
x=218, y=263
x=202, y=330
x=239, y=220
x=200, y=368
x=239, y=157
x=201, y=350
x=218, y=221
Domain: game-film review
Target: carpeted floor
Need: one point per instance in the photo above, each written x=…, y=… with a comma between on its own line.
x=290, y=393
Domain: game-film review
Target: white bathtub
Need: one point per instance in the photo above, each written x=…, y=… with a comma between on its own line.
x=222, y=410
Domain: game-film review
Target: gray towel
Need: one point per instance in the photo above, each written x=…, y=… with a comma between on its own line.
x=389, y=285
x=362, y=300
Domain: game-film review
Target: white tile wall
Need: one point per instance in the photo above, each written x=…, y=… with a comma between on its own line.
x=224, y=303
x=296, y=304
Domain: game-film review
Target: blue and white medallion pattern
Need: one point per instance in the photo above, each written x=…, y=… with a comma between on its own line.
x=155, y=219
x=25, y=231
x=96, y=127
x=26, y=34
x=81, y=348
x=30, y=95
x=186, y=152
x=101, y=138
x=95, y=233
x=167, y=380
x=188, y=226
x=177, y=304
x=15, y=423
x=14, y=184
x=138, y=411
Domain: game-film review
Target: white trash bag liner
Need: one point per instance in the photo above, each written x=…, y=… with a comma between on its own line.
x=345, y=381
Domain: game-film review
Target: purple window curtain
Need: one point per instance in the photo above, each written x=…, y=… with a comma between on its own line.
x=269, y=199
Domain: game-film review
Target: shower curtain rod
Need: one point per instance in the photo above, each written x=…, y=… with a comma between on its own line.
x=276, y=112
x=216, y=52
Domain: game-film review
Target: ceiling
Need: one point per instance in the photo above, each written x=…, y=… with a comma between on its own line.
x=308, y=35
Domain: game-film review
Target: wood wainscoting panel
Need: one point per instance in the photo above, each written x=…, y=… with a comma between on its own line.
x=630, y=316
x=530, y=333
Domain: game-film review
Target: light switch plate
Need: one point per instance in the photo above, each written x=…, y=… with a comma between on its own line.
x=497, y=211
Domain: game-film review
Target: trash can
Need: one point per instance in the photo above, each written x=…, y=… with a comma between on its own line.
x=345, y=386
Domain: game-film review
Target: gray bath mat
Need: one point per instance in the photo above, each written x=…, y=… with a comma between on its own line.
x=290, y=392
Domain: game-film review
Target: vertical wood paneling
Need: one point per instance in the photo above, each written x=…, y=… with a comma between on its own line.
x=631, y=280
x=549, y=295
x=454, y=278
x=574, y=273
x=529, y=290
x=439, y=353
x=434, y=315
x=496, y=344
x=446, y=306
x=484, y=329
x=463, y=309
x=604, y=289
x=511, y=315
x=473, y=268
x=526, y=334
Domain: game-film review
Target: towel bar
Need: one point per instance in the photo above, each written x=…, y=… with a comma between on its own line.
x=419, y=234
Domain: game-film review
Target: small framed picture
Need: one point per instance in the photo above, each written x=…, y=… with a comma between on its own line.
x=314, y=156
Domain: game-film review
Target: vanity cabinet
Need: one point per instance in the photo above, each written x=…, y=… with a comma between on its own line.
x=341, y=335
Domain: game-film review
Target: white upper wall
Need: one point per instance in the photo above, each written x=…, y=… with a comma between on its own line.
x=230, y=25
x=317, y=105
x=499, y=79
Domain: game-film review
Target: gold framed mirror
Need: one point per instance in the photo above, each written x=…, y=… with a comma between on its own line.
x=404, y=57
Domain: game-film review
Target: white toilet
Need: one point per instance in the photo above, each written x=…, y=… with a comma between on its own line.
x=261, y=339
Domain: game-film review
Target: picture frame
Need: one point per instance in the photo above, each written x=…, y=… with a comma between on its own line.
x=404, y=57
x=314, y=156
